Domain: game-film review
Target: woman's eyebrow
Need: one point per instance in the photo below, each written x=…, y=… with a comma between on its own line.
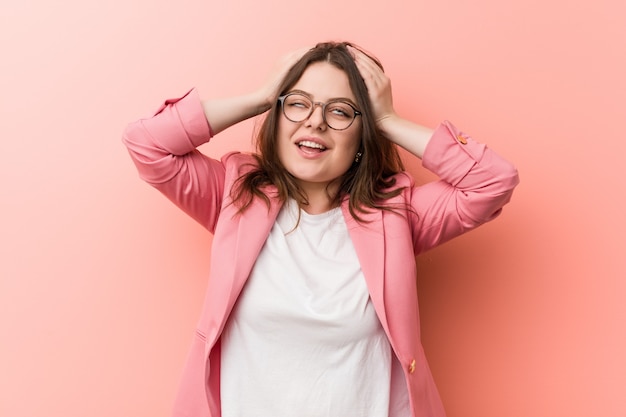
x=309, y=95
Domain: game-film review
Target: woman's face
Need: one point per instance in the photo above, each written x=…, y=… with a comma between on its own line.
x=311, y=151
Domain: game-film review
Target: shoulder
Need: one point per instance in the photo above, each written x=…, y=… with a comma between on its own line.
x=239, y=162
x=401, y=187
x=402, y=181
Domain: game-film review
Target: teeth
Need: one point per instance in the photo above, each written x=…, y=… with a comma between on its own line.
x=311, y=144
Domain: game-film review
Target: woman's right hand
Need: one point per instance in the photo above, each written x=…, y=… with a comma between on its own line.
x=225, y=112
x=269, y=90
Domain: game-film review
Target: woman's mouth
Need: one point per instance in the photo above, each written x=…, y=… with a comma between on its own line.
x=311, y=147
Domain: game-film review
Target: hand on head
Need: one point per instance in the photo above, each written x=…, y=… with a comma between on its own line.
x=269, y=89
x=378, y=85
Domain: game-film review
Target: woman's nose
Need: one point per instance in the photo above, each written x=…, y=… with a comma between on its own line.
x=316, y=119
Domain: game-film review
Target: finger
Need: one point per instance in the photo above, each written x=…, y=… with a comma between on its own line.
x=369, y=69
x=375, y=80
x=295, y=55
x=366, y=61
x=377, y=83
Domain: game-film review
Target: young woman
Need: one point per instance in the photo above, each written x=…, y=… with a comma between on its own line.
x=311, y=307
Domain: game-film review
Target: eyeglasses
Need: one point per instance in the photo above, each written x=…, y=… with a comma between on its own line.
x=338, y=114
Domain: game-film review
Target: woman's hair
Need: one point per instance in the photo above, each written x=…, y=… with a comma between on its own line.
x=368, y=182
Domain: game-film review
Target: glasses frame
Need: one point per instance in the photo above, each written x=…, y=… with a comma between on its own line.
x=281, y=100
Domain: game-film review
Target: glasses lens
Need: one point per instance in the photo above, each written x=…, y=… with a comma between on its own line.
x=297, y=107
x=339, y=115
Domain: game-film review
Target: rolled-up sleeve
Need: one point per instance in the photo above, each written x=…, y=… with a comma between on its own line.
x=475, y=183
x=163, y=148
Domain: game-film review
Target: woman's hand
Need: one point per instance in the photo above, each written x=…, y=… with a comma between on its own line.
x=412, y=137
x=378, y=87
x=269, y=90
x=225, y=112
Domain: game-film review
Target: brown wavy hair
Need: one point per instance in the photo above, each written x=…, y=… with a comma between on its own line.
x=367, y=183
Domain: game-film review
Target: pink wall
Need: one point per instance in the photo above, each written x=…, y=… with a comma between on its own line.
x=102, y=279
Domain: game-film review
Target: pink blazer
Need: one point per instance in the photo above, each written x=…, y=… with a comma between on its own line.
x=474, y=185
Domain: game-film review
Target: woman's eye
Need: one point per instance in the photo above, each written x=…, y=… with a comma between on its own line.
x=340, y=111
x=299, y=104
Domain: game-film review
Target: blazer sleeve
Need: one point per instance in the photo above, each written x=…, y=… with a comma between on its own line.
x=163, y=148
x=475, y=183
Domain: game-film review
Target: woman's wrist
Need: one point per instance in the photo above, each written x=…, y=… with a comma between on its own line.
x=225, y=112
x=263, y=101
x=406, y=134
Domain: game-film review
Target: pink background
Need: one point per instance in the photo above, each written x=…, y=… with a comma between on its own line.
x=102, y=278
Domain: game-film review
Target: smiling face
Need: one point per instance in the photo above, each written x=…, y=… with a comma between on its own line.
x=309, y=150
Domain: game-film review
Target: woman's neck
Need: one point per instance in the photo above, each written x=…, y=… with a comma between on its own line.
x=319, y=198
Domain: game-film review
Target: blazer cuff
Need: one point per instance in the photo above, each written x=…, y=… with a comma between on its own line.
x=451, y=154
x=181, y=118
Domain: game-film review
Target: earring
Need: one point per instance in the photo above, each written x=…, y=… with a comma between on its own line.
x=357, y=158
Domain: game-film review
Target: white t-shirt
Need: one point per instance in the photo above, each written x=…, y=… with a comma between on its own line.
x=303, y=339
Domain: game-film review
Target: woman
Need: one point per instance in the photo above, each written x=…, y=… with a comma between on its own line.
x=311, y=307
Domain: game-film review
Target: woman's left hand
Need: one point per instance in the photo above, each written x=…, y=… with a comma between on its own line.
x=378, y=87
x=402, y=132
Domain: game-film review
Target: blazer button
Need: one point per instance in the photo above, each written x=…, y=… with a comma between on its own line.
x=412, y=366
x=461, y=139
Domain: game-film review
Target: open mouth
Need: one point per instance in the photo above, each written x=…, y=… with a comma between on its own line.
x=310, y=146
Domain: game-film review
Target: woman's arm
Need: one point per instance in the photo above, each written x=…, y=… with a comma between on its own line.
x=475, y=182
x=226, y=112
x=163, y=147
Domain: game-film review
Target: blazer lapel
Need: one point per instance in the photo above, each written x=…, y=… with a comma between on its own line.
x=251, y=233
x=368, y=239
x=254, y=228
x=242, y=241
